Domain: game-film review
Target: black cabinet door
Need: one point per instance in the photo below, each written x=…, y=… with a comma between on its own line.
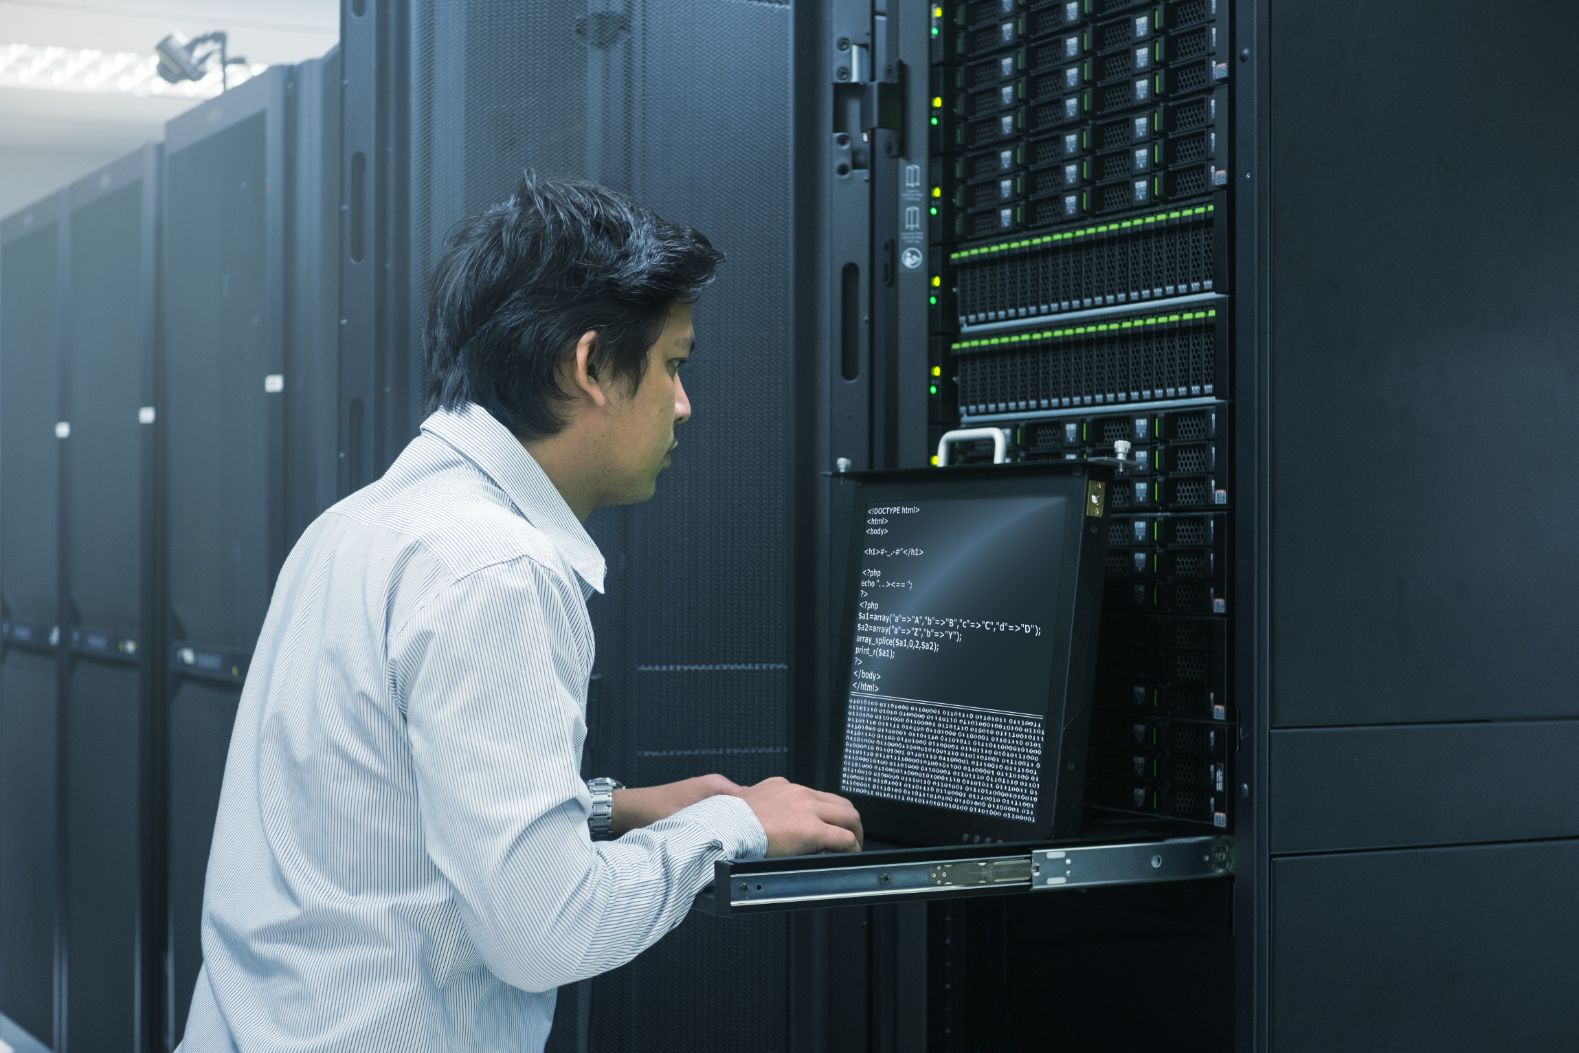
x=31, y=262
x=1425, y=949
x=221, y=422
x=113, y=943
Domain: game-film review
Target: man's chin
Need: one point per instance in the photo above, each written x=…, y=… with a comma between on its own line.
x=637, y=495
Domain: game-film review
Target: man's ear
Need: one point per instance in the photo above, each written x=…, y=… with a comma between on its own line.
x=584, y=374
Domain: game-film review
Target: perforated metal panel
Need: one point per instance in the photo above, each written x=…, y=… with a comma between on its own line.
x=686, y=105
x=111, y=854
x=217, y=348
x=30, y=390
x=222, y=459
x=28, y=891
x=103, y=884
x=29, y=601
x=200, y=718
x=108, y=352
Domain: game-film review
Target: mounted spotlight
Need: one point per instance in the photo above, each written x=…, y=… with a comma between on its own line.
x=179, y=58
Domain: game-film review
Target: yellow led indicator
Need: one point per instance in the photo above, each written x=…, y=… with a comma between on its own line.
x=937, y=102
x=934, y=460
x=937, y=282
x=937, y=371
x=937, y=191
x=937, y=12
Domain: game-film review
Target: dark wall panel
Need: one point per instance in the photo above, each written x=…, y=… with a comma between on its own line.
x=1347, y=788
x=1437, y=950
x=1423, y=353
x=112, y=850
x=30, y=313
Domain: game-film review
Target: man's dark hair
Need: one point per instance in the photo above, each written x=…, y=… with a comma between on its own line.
x=518, y=285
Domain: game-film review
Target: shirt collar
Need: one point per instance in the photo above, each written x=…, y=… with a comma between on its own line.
x=477, y=436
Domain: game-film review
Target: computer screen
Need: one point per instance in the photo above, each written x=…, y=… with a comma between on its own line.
x=973, y=596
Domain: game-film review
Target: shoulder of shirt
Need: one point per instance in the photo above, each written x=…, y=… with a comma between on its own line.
x=435, y=506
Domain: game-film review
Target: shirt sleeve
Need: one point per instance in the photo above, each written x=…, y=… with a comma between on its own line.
x=491, y=673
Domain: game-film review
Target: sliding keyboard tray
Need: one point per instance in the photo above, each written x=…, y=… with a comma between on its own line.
x=879, y=875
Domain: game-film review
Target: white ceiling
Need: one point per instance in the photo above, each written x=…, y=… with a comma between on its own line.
x=33, y=119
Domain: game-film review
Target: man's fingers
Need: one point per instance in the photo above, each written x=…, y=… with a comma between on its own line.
x=836, y=811
x=840, y=839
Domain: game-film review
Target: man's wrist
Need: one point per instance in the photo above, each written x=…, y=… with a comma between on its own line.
x=601, y=819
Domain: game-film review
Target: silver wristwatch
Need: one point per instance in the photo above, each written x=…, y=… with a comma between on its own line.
x=601, y=821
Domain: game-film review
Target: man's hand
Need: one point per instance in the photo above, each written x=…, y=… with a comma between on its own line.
x=642, y=806
x=800, y=820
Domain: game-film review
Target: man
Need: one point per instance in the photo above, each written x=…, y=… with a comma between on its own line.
x=402, y=858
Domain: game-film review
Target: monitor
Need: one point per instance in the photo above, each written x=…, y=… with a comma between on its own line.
x=969, y=649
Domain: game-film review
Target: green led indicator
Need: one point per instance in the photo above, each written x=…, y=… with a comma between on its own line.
x=934, y=122
x=933, y=300
x=934, y=210
x=932, y=389
x=934, y=30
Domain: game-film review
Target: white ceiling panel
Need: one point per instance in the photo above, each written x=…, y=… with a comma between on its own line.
x=272, y=32
x=287, y=31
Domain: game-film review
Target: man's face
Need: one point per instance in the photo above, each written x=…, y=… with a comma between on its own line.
x=645, y=420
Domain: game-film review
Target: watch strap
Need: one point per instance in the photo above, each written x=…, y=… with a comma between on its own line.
x=601, y=819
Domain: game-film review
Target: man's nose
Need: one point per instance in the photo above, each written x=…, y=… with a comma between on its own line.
x=682, y=402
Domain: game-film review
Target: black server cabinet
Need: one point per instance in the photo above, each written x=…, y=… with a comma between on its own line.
x=1418, y=357
x=691, y=636
x=112, y=862
x=314, y=458
x=221, y=376
x=248, y=396
x=32, y=277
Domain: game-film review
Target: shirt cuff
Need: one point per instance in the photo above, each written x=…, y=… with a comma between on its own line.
x=732, y=823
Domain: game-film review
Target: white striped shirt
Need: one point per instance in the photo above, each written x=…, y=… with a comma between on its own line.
x=401, y=859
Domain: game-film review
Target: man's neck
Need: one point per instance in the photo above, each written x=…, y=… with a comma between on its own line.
x=562, y=462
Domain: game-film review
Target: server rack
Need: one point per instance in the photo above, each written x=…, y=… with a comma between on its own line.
x=112, y=932
x=1363, y=714
x=1416, y=309
x=221, y=435
x=33, y=250
x=248, y=441
x=315, y=458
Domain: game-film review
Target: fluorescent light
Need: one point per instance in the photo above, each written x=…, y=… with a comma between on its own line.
x=106, y=72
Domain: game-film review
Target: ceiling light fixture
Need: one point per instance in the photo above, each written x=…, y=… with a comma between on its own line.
x=179, y=59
